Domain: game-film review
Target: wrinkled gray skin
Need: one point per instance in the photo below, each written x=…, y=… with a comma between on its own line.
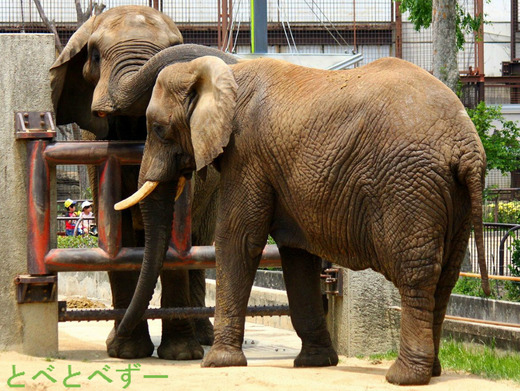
x=377, y=167
x=116, y=52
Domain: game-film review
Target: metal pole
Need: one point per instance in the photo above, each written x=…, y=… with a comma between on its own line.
x=38, y=211
x=224, y=21
x=398, y=31
x=258, y=26
x=514, y=27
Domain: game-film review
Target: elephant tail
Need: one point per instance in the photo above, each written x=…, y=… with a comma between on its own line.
x=474, y=181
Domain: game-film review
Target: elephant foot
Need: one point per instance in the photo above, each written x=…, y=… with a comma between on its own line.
x=180, y=349
x=408, y=375
x=224, y=356
x=203, y=331
x=437, y=368
x=138, y=345
x=316, y=357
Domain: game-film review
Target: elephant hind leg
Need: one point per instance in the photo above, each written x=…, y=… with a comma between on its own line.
x=416, y=354
x=301, y=272
x=448, y=279
x=419, y=274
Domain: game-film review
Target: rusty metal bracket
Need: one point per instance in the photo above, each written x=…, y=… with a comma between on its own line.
x=333, y=281
x=36, y=289
x=34, y=125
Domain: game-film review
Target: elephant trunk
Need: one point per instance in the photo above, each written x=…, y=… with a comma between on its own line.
x=136, y=87
x=157, y=212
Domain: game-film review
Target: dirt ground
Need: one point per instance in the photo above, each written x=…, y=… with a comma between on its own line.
x=83, y=363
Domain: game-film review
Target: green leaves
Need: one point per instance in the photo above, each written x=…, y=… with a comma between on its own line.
x=420, y=14
x=499, y=137
x=80, y=241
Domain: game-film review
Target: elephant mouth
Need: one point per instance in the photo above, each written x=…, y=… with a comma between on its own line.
x=145, y=190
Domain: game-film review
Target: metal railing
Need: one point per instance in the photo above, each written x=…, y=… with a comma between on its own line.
x=498, y=239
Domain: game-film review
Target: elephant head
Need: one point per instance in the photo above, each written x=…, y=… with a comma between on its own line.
x=110, y=64
x=190, y=122
x=103, y=50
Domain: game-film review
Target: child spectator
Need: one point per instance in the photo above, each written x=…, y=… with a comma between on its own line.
x=70, y=225
x=86, y=213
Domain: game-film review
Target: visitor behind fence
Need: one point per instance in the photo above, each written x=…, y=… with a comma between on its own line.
x=86, y=214
x=70, y=225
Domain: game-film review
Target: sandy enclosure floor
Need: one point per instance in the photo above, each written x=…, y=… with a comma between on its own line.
x=83, y=363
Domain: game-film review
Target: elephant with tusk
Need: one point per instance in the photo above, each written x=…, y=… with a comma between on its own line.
x=103, y=81
x=377, y=167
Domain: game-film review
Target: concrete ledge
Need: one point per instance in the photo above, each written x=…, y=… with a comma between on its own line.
x=506, y=338
x=483, y=308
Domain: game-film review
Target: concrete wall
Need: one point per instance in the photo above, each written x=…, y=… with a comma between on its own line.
x=362, y=322
x=24, y=85
x=482, y=308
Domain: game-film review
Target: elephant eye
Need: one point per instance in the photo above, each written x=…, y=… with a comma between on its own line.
x=161, y=131
x=96, y=57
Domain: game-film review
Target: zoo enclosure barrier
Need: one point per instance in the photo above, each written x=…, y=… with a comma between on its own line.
x=43, y=261
x=498, y=240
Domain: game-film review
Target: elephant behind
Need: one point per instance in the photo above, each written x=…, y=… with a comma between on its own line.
x=90, y=82
x=377, y=167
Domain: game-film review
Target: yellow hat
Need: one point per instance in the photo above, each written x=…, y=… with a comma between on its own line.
x=68, y=203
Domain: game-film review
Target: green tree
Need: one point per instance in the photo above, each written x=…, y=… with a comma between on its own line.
x=421, y=15
x=449, y=23
x=499, y=136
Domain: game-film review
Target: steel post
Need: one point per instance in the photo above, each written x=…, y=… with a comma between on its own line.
x=38, y=208
x=258, y=26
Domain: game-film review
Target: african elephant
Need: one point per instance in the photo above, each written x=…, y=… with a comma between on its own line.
x=377, y=167
x=103, y=81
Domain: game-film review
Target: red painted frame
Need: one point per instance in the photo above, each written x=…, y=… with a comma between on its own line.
x=43, y=156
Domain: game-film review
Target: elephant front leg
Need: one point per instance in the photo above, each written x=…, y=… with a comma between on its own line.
x=301, y=272
x=178, y=340
x=241, y=235
x=139, y=344
x=416, y=354
x=234, y=282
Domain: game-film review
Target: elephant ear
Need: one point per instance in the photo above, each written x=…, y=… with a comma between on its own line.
x=71, y=93
x=212, y=115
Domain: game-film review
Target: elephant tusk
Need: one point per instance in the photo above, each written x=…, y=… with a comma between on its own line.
x=180, y=187
x=139, y=195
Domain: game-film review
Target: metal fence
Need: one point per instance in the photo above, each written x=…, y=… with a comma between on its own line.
x=298, y=26
x=498, y=240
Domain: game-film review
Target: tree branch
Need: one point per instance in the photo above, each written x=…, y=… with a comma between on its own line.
x=81, y=17
x=92, y=9
x=49, y=25
x=98, y=8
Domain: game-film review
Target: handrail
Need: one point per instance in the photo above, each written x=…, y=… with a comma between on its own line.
x=491, y=277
